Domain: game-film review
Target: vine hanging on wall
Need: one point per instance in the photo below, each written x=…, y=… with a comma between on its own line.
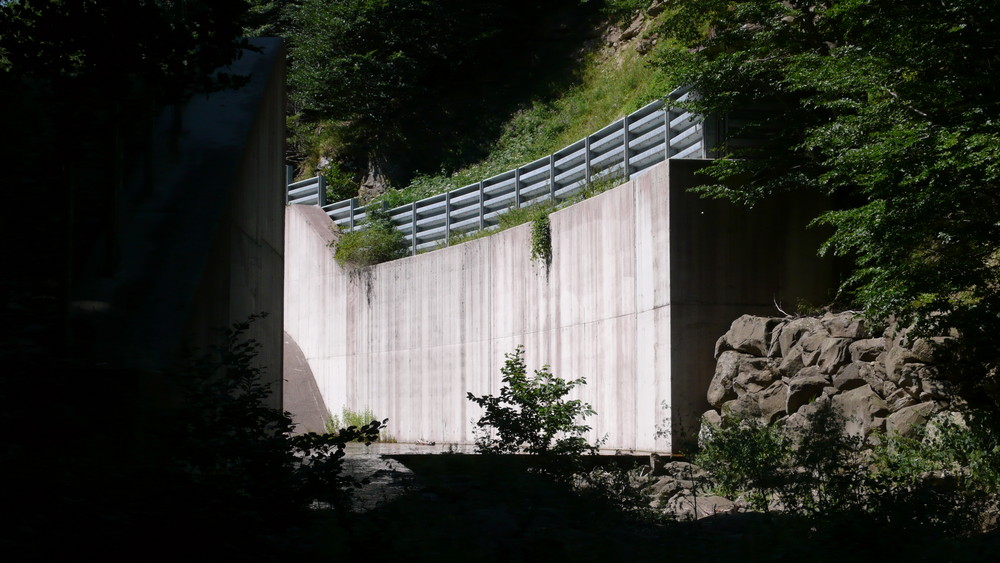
x=541, y=240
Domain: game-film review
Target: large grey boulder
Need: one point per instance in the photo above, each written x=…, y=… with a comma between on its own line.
x=800, y=420
x=737, y=374
x=766, y=406
x=867, y=350
x=695, y=507
x=804, y=387
x=794, y=330
x=834, y=353
x=666, y=486
x=906, y=421
x=903, y=351
x=685, y=470
x=751, y=334
x=721, y=389
x=804, y=353
x=753, y=378
x=899, y=399
x=934, y=389
x=771, y=402
x=844, y=325
x=860, y=407
x=811, y=346
x=929, y=350
x=791, y=362
x=852, y=376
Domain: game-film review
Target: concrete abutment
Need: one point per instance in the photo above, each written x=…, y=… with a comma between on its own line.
x=644, y=279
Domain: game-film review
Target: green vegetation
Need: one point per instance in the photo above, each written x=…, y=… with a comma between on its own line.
x=744, y=458
x=612, y=84
x=537, y=213
x=893, y=110
x=427, y=97
x=541, y=240
x=376, y=241
x=393, y=88
x=532, y=415
x=348, y=419
x=926, y=483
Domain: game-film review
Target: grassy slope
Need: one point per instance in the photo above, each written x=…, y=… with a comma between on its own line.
x=615, y=81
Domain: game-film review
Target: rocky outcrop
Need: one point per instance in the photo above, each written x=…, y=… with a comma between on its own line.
x=777, y=369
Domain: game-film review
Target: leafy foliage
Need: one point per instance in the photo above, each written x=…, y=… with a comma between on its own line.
x=621, y=10
x=227, y=445
x=358, y=419
x=419, y=86
x=611, y=84
x=377, y=241
x=889, y=107
x=746, y=457
x=967, y=448
x=541, y=240
x=532, y=415
x=822, y=473
x=340, y=185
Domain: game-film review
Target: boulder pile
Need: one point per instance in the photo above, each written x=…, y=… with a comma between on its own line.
x=777, y=370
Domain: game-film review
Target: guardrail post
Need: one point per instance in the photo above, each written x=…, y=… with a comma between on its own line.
x=413, y=227
x=586, y=161
x=517, y=188
x=447, y=218
x=482, y=207
x=321, y=190
x=354, y=204
x=552, y=178
x=625, y=151
x=666, y=132
x=289, y=176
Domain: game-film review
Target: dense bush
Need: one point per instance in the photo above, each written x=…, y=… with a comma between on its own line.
x=891, y=108
x=376, y=241
x=532, y=414
x=926, y=483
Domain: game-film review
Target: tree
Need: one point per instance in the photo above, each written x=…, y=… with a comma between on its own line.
x=532, y=415
x=413, y=85
x=890, y=107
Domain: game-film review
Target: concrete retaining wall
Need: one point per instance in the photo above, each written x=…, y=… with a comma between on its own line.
x=200, y=241
x=644, y=278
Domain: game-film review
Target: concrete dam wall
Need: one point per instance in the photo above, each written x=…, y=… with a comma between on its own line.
x=644, y=278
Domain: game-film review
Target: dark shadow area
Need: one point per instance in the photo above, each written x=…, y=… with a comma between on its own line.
x=533, y=53
x=478, y=508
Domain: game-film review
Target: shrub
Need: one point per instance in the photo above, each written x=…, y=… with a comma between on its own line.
x=937, y=483
x=354, y=419
x=745, y=458
x=541, y=240
x=532, y=415
x=375, y=242
x=340, y=184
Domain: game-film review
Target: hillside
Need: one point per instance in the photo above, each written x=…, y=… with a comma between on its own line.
x=593, y=68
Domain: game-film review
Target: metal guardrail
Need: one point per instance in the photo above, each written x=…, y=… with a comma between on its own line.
x=625, y=148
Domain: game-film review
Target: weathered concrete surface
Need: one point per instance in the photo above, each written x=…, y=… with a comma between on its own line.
x=200, y=240
x=301, y=396
x=643, y=280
